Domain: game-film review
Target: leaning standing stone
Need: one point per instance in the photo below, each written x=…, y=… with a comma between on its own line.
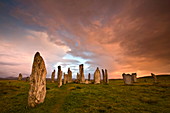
x=59, y=76
x=37, y=90
x=97, y=76
x=20, y=77
x=127, y=79
x=53, y=76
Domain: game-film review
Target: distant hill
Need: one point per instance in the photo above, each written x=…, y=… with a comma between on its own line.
x=156, y=75
x=9, y=78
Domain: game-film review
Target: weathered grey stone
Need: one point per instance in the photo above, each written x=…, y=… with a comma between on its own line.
x=89, y=77
x=65, y=78
x=20, y=77
x=27, y=79
x=154, y=77
x=97, y=76
x=106, y=77
x=69, y=75
x=37, y=91
x=59, y=77
x=81, y=70
x=127, y=79
x=134, y=77
x=53, y=76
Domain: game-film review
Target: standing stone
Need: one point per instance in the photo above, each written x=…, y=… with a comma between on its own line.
x=81, y=70
x=59, y=76
x=20, y=77
x=154, y=77
x=97, y=76
x=69, y=75
x=89, y=77
x=37, y=91
x=53, y=76
x=106, y=77
x=27, y=79
x=78, y=78
x=65, y=78
x=127, y=79
x=123, y=75
x=134, y=77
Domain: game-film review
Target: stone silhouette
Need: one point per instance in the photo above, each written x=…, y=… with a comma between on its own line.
x=106, y=76
x=69, y=75
x=78, y=78
x=81, y=71
x=97, y=76
x=59, y=76
x=154, y=77
x=37, y=91
x=89, y=77
x=134, y=77
x=27, y=79
x=20, y=77
x=65, y=78
x=53, y=76
x=127, y=79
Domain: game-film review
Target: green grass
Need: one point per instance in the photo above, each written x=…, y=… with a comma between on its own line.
x=142, y=97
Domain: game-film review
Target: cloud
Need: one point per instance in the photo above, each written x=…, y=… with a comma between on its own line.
x=8, y=64
x=121, y=36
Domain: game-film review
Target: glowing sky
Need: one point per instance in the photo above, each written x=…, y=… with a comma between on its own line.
x=119, y=35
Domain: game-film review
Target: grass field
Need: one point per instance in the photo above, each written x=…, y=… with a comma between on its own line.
x=142, y=97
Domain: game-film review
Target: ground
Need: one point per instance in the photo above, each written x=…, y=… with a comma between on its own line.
x=142, y=97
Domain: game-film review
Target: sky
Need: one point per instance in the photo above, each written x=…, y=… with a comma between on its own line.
x=122, y=36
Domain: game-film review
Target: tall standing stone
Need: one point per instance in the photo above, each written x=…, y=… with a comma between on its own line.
x=69, y=75
x=106, y=77
x=20, y=77
x=59, y=76
x=89, y=77
x=127, y=79
x=134, y=77
x=37, y=91
x=53, y=76
x=154, y=77
x=81, y=70
x=65, y=78
x=97, y=76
